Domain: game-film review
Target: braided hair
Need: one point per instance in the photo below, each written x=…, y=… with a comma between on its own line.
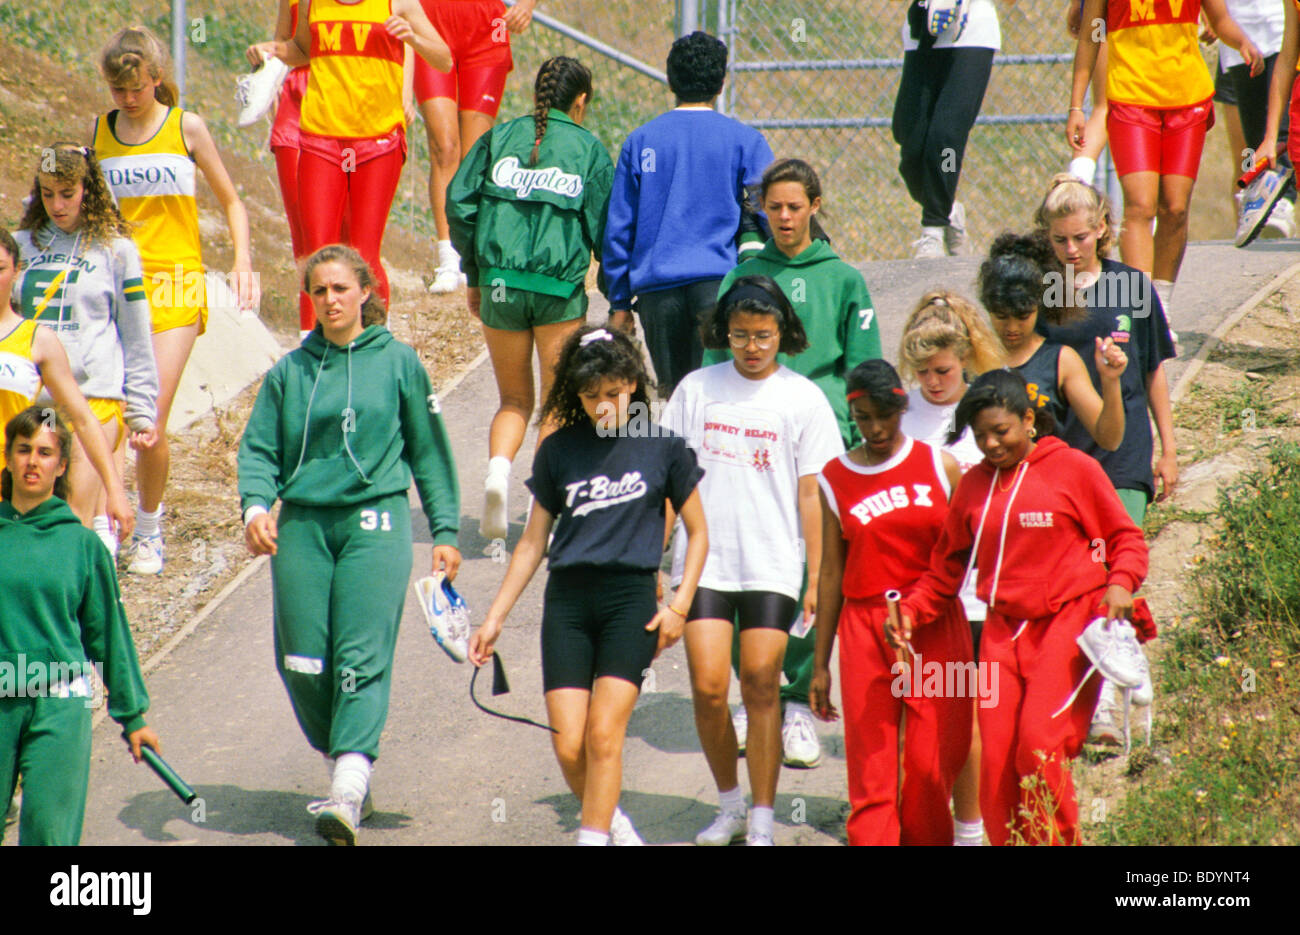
x=559, y=82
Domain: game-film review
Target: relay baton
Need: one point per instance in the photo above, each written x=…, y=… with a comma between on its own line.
x=167, y=774
x=1260, y=166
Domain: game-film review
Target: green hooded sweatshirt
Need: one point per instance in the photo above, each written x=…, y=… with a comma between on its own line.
x=337, y=426
x=61, y=611
x=831, y=299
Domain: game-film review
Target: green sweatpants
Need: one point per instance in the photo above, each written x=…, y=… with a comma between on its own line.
x=1135, y=503
x=339, y=578
x=47, y=740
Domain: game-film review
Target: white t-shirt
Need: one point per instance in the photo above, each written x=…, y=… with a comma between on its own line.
x=1263, y=23
x=754, y=439
x=931, y=424
x=981, y=30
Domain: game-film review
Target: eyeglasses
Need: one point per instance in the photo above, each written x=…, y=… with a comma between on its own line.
x=764, y=339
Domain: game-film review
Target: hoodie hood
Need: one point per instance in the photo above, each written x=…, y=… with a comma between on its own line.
x=372, y=336
x=819, y=251
x=53, y=512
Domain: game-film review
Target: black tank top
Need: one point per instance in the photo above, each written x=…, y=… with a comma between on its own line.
x=1042, y=373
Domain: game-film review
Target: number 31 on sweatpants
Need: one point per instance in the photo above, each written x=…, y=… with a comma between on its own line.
x=373, y=519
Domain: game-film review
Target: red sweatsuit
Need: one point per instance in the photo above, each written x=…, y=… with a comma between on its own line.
x=1052, y=541
x=890, y=516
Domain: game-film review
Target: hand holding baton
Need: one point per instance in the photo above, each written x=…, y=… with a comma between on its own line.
x=168, y=775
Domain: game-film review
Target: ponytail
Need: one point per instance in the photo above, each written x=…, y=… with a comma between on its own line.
x=134, y=50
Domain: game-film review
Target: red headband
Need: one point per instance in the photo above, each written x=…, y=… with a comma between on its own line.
x=858, y=394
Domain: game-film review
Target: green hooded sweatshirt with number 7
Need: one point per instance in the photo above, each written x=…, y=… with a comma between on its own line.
x=831, y=299
x=338, y=426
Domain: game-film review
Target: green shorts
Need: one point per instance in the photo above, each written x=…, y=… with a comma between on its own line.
x=521, y=310
x=1135, y=502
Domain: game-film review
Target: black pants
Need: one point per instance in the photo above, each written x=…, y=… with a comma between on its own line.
x=671, y=320
x=1252, y=104
x=939, y=97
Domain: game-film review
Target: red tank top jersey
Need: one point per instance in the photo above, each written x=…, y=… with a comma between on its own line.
x=890, y=515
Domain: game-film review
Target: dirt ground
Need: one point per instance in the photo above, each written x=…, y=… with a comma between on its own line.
x=1247, y=395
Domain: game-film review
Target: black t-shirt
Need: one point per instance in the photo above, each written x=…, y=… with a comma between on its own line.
x=1142, y=331
x=607, y=494
x=1042, y=372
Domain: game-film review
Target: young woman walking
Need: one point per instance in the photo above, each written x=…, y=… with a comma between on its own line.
x=527, y=210
x=761, y=432
x=604, y=491
x=149, y=149
x=81, y=277
x=70, y=617
x=339, y=428
x=883, y=506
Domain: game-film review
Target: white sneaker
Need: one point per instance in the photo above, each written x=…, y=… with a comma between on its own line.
x=445, y=279
x=929, y=246
x=367, y=807
x=256, y=91
x=145, y=555
x=337, y=822
x=1104, y=730
x=495, y=523
x=446, y=613
x=1281, y=220
x=954, y=235
x=1258, y=202
x=799, y=742
x=759, y=839
x=727, y=828
x=740, y=721
x=621, y=831
x=1113, y=650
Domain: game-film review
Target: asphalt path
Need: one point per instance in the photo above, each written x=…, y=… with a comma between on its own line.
x=448, y=774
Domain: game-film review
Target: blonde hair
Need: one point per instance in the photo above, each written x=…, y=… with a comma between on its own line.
x=134, y=50
x=944, y=321
x=1067, y=195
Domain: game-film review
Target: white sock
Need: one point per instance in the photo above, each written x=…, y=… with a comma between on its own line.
x=732, y=801
x=499, y=465
x=104, y=529
x=589, y=838
x=351, y=778
x=968, y=833
x=447, y=255
x=146, y=524
x=934, y=232
x=1164, y=289
x=1083, y=169
x=760, y=819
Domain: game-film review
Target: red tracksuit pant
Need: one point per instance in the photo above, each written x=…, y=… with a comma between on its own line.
x=1036, y=672
x=936, y=738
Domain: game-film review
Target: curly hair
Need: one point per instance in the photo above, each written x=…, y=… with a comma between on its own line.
x=10, y=246
x=25, y=425
x=1011, y=279
x=71, y=164
x=697, y=66
x=941, y=321
x=372, y=310
x=559, y=82
x=583, y=362
x=134, y=50
x=758, y=295
x=878, y=381
x=1067, y=195
x=1004, y=388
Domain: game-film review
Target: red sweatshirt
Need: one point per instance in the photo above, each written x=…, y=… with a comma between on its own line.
x=1044, y=538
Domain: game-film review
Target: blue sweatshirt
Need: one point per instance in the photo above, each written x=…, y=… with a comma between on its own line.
x=675, y=209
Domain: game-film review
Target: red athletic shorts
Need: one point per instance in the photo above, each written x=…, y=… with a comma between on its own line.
x=1149, y=139
x=288, y=112
x=1293, y=138
x=475, y=30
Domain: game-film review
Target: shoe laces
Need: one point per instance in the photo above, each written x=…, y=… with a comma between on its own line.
x=243, y=88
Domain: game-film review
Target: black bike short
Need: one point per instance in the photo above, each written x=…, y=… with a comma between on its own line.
x=765, y=609
x=593, y=625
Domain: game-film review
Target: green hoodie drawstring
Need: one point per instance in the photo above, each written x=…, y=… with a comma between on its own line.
x=349, y=414
x=306, y=422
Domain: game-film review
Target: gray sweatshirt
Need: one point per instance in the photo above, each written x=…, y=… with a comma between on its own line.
x=93, y=297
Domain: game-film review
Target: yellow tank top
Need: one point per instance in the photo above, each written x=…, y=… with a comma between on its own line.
x=154, y=185
x=354, y=86
x=20, y=381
